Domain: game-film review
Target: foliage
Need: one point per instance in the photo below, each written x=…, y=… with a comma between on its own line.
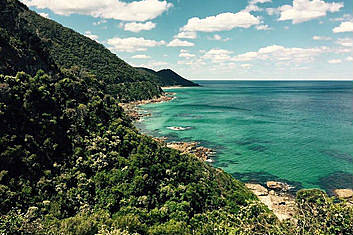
x=319, y=214
x=67, y=149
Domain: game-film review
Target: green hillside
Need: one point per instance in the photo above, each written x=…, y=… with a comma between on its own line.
x=170, y=78
x=30, y=42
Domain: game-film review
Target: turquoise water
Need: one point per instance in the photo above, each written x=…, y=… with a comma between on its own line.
x=297, y=132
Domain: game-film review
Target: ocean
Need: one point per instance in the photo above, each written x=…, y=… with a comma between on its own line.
x=298, y=132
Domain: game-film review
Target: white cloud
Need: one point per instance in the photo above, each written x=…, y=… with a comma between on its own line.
x=344, y=27
x=335, y=61
x=180, y=43
x=155, y=65
x=141, y=57
x=246, y=56
x=218, y=37
x=186, y=55
x=280, y=53
x=264, y=27
x=137, y=27
x=253, y=7
x=346, y=42
x=252, y=2
x=45, y=15
x=321, y=38
x=91, y=36
x=305, y=10
x=221, y=22
x=110, y=9
x=132, y=44
x=217, y=55
x=99, y=22
x=349, y=58
x=272, y=11
x=186, y=35
x=345, y=17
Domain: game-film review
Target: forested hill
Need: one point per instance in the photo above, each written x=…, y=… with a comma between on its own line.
x=30, y=42
x=170, y=78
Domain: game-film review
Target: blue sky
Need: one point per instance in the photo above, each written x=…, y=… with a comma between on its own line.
x=223, y=39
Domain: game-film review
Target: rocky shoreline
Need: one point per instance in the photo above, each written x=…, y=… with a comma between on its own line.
x=132, y=110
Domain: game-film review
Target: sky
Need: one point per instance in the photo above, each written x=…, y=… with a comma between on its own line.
x=219, y=39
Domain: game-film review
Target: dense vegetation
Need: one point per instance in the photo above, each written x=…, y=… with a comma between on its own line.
x=71, y=161
x=169, y=77
x=69, y=156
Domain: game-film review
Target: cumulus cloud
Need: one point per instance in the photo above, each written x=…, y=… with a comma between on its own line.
x=186, y=55
x=132, y=44
x=253, y=7
x=263, y=27
x=280, y=53
x=344, y=27
x=222, y=22
x=110, y=9
x=179, y=43
x=335, y=61
x=186, y=35
x=321, y=38
x=141, y=57
x=217, y=55
x=138, y=27
x=91, y=36
x=218, y=37
x=305, y=10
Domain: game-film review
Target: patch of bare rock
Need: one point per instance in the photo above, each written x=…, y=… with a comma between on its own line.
x=276, y=198
x=344, y=193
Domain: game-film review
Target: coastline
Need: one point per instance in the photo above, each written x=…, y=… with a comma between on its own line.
x=275, y=195
x=133, y=111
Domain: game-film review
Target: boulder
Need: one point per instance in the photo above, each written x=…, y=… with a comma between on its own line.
x=257, y=189
x=277, y=185
x=343, y=193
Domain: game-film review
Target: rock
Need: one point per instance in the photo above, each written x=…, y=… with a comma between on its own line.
x=277, y=185
x=257, y=189
x=343, y=193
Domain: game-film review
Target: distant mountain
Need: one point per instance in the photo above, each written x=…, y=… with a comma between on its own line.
x=170, y=78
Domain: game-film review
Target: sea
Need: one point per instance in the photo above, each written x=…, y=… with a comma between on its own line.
x=297, y=132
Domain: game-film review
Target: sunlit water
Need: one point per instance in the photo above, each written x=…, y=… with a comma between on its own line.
x=296, y=132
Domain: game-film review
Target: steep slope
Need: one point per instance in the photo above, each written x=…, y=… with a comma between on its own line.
x=168, y=77
x=30, y=42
